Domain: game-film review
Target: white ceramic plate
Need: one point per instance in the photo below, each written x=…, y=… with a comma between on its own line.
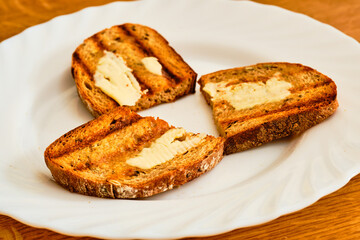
x=39, y=103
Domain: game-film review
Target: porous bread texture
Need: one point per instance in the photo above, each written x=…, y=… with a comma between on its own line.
x=91, y=159
x=132, y=42
x=312, y=100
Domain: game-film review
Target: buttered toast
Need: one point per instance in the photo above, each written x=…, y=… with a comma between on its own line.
x=256, y=104
x=123, y=155
x=129, y=65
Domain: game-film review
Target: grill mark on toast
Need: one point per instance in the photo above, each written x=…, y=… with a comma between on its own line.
x=98, y=42
x=103, y=47
x=115, y=157
x=313, y=103
x=78, y=60
x=173, y=78
x=312, y=86
x=80, y=143
x=129, y=35
x=143, y=85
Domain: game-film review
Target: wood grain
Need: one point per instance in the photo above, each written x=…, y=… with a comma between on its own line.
x=336, y=216
x=341, y=14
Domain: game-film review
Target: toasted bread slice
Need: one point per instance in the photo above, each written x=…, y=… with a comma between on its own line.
x=256, y=104
x=123, y=155
x=164, y=78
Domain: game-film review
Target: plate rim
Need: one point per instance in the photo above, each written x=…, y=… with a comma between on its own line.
x=59, y=18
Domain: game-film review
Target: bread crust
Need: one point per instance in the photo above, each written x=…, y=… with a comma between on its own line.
x=132, y=42
x=284, y=126
x=107, y=189
x=85, y=179
x=310, y=103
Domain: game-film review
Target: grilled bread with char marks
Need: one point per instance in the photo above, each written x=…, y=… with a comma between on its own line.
x=132, y=42
x=105, y=156
x=257, y=104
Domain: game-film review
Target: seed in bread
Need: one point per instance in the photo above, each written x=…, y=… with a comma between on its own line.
x=123, y=155
x=129, y=65
x=257, y=104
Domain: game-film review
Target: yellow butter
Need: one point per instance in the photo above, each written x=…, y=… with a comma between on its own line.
x=116, y=80
x=165, y=148
x=152, y=65
x=248, y=94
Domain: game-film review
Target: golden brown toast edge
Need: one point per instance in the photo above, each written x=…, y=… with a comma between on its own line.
x=290, y=124
x=170, y=180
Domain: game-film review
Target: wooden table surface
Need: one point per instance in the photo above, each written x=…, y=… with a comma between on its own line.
x=336, y=216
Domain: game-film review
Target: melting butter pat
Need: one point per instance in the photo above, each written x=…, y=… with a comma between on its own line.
x=152, y=65
x=116, y=80
x=248, y=94
x=165, y=148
